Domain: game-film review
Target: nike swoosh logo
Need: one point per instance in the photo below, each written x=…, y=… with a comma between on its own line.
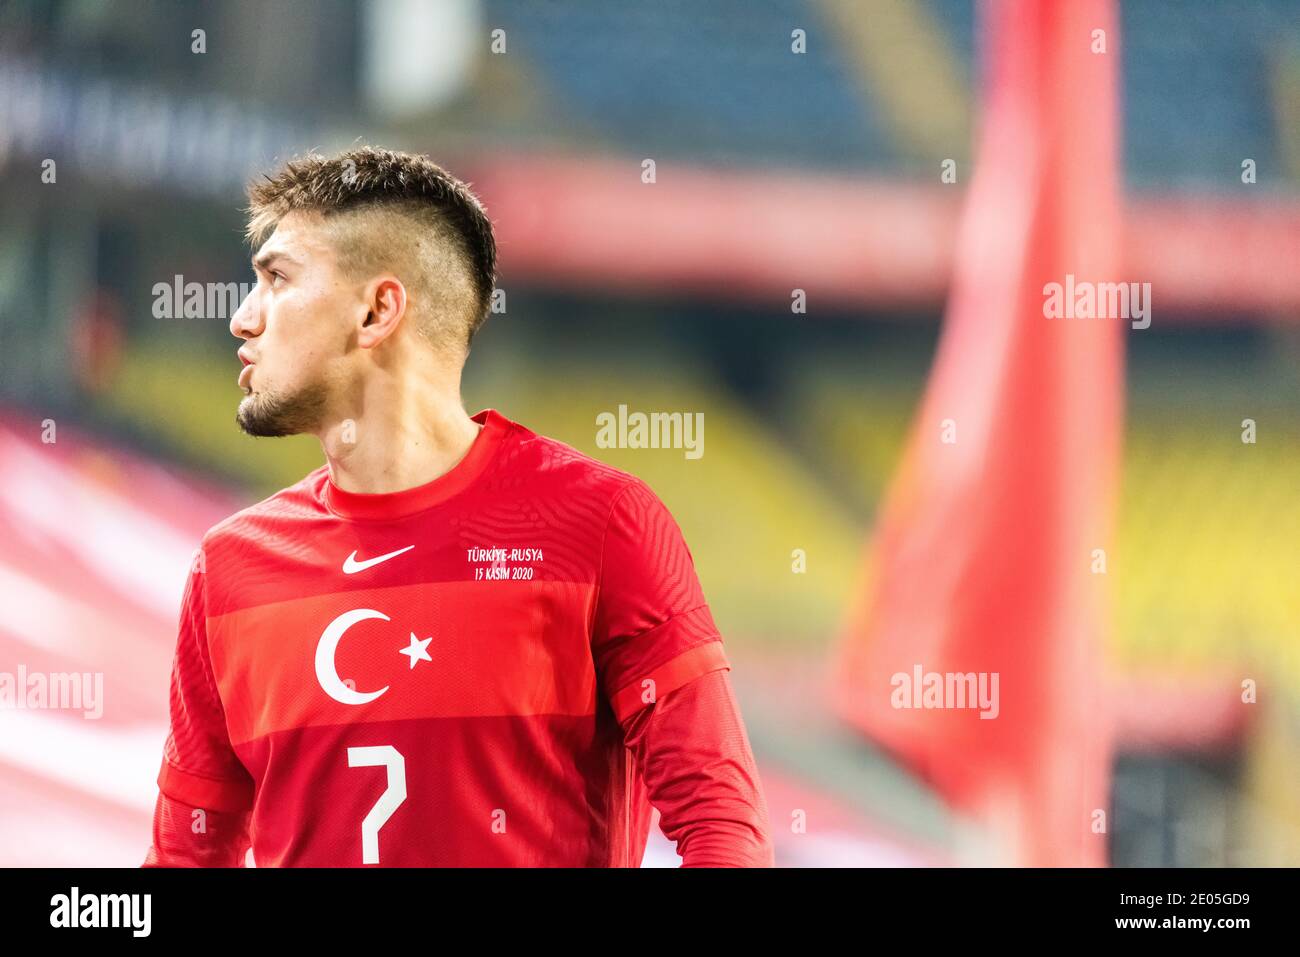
x=351, y=566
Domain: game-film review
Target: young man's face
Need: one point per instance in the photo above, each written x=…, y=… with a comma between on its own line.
x=296, y=325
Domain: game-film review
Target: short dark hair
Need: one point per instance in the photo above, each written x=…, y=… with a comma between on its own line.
x=367, y=179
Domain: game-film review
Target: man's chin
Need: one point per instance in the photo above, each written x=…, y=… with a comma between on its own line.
x=272, y=417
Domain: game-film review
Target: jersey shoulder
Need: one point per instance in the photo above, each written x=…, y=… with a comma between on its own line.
x=546, y=465
x=299, y=501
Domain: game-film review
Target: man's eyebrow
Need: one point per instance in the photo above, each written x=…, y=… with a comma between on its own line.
x=265, y=259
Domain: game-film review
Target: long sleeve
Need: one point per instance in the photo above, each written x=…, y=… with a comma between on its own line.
x=661, y=663
x=695, y=759
x=185, y=836
x=205, y=793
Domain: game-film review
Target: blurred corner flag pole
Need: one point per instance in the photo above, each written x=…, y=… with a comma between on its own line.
x=974, y=651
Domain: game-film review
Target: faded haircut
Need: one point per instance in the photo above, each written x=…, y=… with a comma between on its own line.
x=398, y=212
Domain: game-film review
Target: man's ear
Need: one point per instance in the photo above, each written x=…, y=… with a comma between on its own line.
x=386, y=299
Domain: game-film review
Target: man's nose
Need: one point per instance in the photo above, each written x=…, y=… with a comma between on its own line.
x=246, y=322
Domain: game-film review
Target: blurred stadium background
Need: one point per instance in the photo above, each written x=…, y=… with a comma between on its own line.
x=774, y=172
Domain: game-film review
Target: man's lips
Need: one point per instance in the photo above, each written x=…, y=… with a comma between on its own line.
x=246, y=373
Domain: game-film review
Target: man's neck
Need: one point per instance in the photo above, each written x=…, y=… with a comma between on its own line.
x=402, y=440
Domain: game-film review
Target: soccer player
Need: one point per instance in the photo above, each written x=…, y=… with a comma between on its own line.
x=457, y=642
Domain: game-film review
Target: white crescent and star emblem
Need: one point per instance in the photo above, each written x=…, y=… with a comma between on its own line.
x=326, y=672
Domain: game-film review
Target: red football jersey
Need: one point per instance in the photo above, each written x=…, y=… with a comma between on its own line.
x=437, y=676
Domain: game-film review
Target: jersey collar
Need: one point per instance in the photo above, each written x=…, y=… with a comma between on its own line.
x=409, y=501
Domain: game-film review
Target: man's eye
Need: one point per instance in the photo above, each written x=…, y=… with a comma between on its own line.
x=276, y=277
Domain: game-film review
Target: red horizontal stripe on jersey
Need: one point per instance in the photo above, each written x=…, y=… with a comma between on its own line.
x=209, y=793
x=670, y=676
x=494, y=648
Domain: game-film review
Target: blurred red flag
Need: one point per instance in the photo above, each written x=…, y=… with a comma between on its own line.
x=984, y=561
